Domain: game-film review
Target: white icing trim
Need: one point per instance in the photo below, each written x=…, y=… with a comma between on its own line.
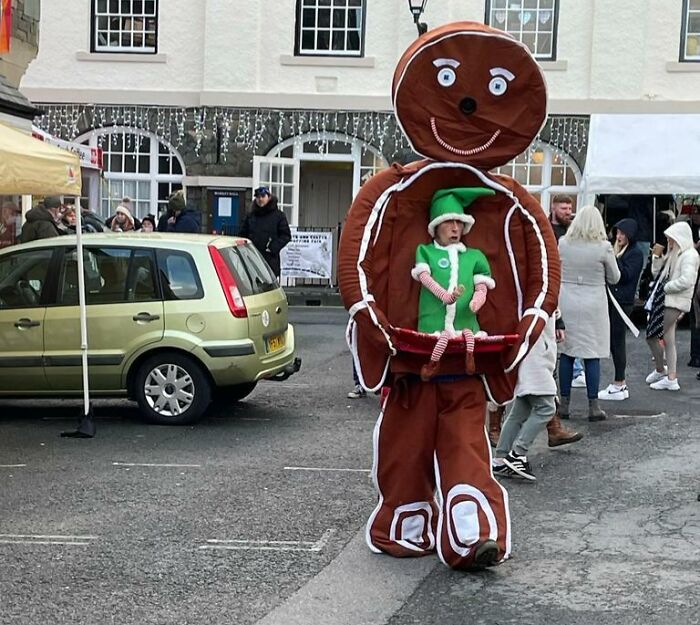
x=375, y=469
x=538, y=312
x=480, y=278
x=419, y=269
x=467, y=220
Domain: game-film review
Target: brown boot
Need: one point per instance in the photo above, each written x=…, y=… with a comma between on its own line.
x=495, y=419
x=559, y=435
x=429, y=370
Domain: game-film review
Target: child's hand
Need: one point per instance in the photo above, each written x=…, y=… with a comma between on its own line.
x=458, y=292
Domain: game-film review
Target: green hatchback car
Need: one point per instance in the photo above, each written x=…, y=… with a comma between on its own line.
x=174, y=321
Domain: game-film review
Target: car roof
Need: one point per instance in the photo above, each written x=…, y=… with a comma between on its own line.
x=136, y=239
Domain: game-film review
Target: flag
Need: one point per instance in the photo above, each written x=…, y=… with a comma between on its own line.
x=5, y=25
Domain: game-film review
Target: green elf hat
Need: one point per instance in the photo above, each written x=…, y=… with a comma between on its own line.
x=449, y=204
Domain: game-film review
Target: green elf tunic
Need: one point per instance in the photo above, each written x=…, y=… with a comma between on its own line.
x=450, y=267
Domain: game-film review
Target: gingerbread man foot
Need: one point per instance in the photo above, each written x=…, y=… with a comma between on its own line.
x=429, y=370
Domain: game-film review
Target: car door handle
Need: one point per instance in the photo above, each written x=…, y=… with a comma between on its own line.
x=26, y=323
x=145, y=317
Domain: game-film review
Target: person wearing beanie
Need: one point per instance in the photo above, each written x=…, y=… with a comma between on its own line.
x=123, y=220
x=42, y=221
x=630, y=261
x=182, y=218
x=455, y=278
x=148, y=224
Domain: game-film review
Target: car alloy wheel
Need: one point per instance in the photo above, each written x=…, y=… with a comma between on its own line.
x=169, y=390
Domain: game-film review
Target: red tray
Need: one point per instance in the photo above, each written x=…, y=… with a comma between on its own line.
x=414, y=342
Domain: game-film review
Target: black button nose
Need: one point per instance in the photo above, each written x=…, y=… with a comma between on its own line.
x=467, y=105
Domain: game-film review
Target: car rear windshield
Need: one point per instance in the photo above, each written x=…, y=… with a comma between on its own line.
x=252, y=274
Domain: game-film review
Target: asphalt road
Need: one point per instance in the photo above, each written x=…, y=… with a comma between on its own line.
x=256, y=514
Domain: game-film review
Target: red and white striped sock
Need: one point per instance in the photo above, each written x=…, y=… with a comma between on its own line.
x=468, y=339
x=440, y=347
x=479, y=297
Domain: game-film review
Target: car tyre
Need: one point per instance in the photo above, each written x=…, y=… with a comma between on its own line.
x=172, y=389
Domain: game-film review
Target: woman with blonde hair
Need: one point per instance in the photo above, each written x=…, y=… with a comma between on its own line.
x=588, y=265
x=675, y=273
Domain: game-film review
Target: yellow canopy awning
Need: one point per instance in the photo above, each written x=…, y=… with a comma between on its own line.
x=31, y=167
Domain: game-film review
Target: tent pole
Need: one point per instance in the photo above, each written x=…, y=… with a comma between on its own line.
x=86, y=427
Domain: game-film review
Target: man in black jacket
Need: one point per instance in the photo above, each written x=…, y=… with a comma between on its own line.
x=42, y=221
x=267, y=227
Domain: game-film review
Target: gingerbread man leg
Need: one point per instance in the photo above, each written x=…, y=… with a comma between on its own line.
x=431, y=369
x=404, y=522
x=474, y=506
x=469, y=356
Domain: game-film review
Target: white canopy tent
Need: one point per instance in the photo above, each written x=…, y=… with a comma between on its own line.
x=646, y=154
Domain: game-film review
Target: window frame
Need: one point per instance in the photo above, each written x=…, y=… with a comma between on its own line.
x=161, y=266
x=298, y=26
x=60, y=266
x=47, y=291
x=94, y=49
x=682, y=58
x=555, y=31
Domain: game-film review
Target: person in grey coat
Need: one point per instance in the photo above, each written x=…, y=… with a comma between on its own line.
x=588, y=263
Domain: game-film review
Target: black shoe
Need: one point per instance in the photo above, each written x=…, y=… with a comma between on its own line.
x=694, y=362
x=519, y=465
x=501, y=470
x=697, y=376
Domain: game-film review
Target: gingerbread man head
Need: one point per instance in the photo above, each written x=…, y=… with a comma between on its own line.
x=469, y=93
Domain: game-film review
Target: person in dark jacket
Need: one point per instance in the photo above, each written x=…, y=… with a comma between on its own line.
x=630, y=261
x=42, y=221
x=183, y=218
x=267, y=227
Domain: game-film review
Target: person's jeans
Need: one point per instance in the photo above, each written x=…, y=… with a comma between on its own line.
x=566, y=373
x=355, y=377
x=578, y=367
x=527, y=417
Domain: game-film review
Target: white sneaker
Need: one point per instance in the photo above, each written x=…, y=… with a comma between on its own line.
x=664, y=384
x=579, y=381
x=655, y=376
x=614, y=393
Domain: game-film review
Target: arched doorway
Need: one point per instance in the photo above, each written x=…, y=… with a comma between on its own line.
x=137, y=164
x=315, y=176
x=545, y=172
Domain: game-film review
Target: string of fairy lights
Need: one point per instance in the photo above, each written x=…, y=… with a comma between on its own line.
x=256, y=131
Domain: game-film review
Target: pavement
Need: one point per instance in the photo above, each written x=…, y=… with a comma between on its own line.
x=256, y=515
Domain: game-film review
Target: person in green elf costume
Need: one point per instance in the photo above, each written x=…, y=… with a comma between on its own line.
x=455, y=278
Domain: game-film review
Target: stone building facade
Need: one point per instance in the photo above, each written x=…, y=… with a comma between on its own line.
x=24, y=43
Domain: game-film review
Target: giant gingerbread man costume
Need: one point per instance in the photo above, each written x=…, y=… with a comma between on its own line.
x=469, y=98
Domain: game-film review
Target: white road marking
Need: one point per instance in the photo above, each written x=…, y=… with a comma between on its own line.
x=154, y=464
x=326, y=469
x=383, y=583
x=46, y=539
x=253, y=419
x=641, y=416
x=12, y=466
x=270, y=545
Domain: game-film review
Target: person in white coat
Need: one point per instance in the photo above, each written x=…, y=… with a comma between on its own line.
x=533, y=407
x=587, y=264
x=676, y=273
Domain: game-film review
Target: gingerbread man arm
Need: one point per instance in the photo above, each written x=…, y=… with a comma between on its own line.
x=539, y=294
x=368, y=329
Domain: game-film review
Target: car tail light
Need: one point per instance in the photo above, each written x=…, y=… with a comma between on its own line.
x=228, y=284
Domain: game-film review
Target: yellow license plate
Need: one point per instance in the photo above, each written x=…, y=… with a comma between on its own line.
x=275, y=342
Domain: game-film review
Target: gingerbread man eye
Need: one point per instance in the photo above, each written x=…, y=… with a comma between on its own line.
x=446, y=77
x=498, y=86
